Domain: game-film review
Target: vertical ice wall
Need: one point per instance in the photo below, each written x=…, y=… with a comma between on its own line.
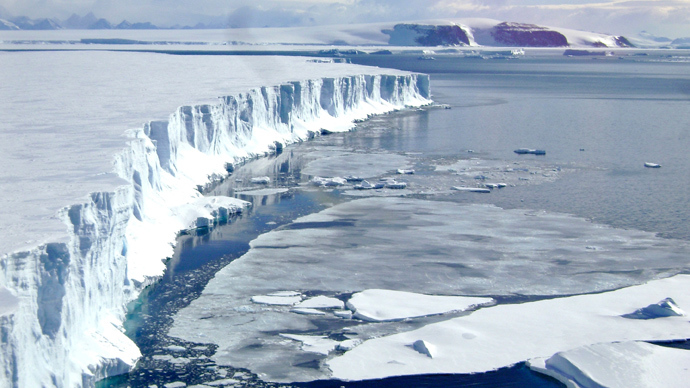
x=62, y=304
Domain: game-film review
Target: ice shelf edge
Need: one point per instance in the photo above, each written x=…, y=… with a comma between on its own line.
x=64, y=325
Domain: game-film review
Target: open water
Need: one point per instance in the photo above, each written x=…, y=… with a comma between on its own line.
x=598, y=120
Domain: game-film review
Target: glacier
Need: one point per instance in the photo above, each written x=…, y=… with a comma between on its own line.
x=71, y=262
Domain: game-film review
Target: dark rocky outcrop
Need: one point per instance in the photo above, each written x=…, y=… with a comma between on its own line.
x=527, y=35
x=427, y=35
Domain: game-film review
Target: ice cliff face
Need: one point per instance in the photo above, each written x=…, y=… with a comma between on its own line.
x=62, y=304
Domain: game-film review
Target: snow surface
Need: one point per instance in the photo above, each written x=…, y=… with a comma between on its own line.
x=629, y=364
x=101, y=167
x=503, y=335
x=390, y=305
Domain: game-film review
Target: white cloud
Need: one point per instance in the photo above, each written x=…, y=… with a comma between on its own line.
x=671, y=17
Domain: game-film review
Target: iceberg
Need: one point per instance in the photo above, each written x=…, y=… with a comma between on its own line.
x=75, y=254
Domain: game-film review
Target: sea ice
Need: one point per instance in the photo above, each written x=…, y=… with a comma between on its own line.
x=342, y=163
x=315, y=344
x=416, y=246
x=389, y=305
x=503, y=335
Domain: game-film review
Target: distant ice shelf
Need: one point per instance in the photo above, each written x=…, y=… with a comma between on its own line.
x=88, y=213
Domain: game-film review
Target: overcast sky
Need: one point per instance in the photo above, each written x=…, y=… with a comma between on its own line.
x=661, y=17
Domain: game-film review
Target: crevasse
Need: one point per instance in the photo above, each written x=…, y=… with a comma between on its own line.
x=67, y=298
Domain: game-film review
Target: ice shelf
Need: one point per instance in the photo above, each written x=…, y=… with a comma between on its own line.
x=101, y=167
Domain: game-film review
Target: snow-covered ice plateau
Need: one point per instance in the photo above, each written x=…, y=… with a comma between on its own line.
x=102, y=165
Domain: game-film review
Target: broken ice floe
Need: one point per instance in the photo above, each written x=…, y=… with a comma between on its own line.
x=504, y=335
x=262, y=192
x=278, y=299
x=388, y=305
x=321, y=302
x=423, y=247
x=328, y=182
x=315, y=344
x=261, y=180
x=471, y=189
x=307, y=311
x=496, y=173
x=524, y=151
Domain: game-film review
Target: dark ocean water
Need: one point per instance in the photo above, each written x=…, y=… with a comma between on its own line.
x=601, y=120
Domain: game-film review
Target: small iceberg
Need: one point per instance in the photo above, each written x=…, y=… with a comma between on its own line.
x=404, y=172
x=261, y=180
x=471, y=189
x=365, y=185
x=523, y=151
x=353, y=179
x=328, y=182
x=652, y=165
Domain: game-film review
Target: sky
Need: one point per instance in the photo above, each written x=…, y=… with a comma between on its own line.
x=669, y=18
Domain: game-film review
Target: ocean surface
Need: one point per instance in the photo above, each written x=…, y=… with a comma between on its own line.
x=599, y=121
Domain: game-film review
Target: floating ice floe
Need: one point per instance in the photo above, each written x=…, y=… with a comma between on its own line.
x=353, y=179
x=321, y=302
x=435, y=248
x=261, y=180
x=629, y=364
x=503, y=335
x=312, y=343
x=307, y=311
x=652, y=165
x=523, y=151
x=278, y=299
x=222, y=382
x=471, y=189
x=366, y=185
x=388, y=305
x=262, y=192
x=328, y=182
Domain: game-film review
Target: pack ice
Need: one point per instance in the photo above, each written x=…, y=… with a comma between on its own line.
x=101, y=167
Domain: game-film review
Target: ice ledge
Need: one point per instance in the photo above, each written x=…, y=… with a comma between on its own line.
x=63, y=303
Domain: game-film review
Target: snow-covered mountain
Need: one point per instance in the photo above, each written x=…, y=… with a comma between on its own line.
x=486, y=32
x=442, y=32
